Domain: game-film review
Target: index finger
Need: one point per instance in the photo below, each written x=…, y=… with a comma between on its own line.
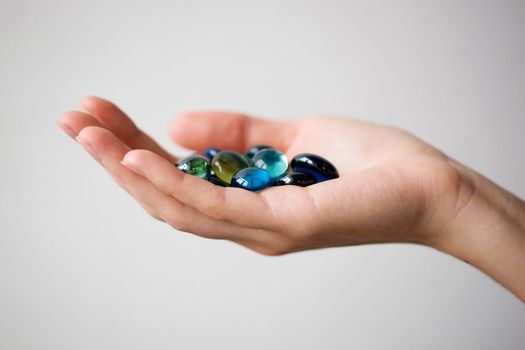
x=235, y=205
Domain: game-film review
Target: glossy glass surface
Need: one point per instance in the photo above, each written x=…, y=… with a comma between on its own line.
x=195, y=165
x=271, y=160
x=215, y=180
x=226, y=163
x=251, y=152
x=252, y=179
x=296, y=179
x=317, y=166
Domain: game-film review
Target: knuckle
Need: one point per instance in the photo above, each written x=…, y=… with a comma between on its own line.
x=298, y=233
x=152, y=212
x=270, y=251
x=177, y=222
x=154, y=215
x=282, y=247
x=216, y=207
x=216, y=213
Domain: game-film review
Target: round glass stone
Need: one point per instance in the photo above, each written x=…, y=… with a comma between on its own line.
x=251, y=152
x=195, y=165
x=271, y=160
x=215, y=180
x=252, y=179
x=226, y=163
x=211, y=152
x=296, y=178
x=317, y=166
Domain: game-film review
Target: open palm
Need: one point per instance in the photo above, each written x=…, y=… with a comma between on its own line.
x=392, y=186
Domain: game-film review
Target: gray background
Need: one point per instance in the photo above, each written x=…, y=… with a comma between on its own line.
x=81, y=265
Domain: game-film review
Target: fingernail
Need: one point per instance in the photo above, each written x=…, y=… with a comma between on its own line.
x=89, y=149
x=68, y=130
x=131, y=166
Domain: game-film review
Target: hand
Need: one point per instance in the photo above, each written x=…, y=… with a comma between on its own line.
x=393, y=187
x=387, y=178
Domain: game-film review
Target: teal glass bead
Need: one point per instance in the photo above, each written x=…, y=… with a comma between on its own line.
x=252, y=179
x=195, y=165
x=211, y=152
x=226, y=163
x=271, y=160
x=251, y=152
x=297, y=179
x=317, y=166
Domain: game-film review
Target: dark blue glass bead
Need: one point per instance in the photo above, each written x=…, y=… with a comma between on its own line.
x=195, y=165
x=252, y=179
x=251, y=152
x=211, y=152
x=297, y=179
x=271, y=160
x=312, y=164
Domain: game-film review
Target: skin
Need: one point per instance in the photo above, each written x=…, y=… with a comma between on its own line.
x=393, y=187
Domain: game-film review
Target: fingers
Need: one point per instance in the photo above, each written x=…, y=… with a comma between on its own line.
x=111, y=116
x=235, y=205
x=109, y=150
x=73, y=122
x=115, y=120
x=226, y=130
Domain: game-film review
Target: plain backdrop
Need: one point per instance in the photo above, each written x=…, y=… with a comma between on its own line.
x=83, y=267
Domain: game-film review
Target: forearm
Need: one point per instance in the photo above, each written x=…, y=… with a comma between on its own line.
x=489, y=233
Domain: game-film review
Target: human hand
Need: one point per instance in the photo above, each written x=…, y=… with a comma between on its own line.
x=384, y=178
x=392, y=187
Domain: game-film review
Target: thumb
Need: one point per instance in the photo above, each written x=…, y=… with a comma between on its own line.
x=227, y=130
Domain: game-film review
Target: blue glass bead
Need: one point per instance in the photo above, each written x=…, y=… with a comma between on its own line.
x=195, y=165
x=296, y=178
x=211, y=152
x=252, y=179
x=271, y=160
x=312, y=164
x=226, y=163
x=251, y=152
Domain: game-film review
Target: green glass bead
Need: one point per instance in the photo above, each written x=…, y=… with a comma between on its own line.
x=195, y=165
x=226, y=163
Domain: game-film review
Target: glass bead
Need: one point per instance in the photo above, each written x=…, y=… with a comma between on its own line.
x=226, y=163
x=195, y=165
x=317, y=166
x=252, y=179
x=297, y=179
x=215, y=180
x=271, y=160
x=211, y=152
x=251, y=152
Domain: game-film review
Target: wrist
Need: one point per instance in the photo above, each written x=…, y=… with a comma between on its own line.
x=484, y=225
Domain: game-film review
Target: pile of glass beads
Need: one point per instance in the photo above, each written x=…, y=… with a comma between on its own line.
x=260, y=167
